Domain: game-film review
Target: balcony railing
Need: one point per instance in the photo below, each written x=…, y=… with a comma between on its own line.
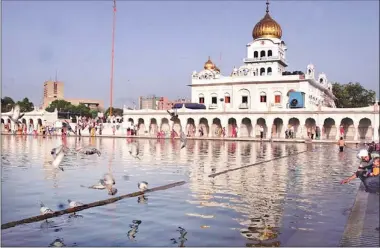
x=265, y=59
x=243, y=106
x=213, y=106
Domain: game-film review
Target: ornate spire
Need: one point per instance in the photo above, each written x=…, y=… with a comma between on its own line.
x=267, y=6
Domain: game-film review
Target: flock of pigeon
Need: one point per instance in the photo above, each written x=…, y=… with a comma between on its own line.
x=108, y=181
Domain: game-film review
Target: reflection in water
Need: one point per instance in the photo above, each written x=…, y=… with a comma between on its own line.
x=134, y=229
x=182, y=238
x=285, y=201
x=49, y=224
x=142, y=199
x=57, y=243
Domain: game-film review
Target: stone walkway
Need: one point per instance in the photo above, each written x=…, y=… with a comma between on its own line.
x=362, y=228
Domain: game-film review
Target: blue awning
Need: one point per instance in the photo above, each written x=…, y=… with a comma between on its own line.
x=189, y=106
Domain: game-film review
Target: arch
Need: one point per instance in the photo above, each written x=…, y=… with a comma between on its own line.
x=23, y=121
x=262, y=71
x=255, y=54
x=141, y=126
x=177, y=127
x=203, y=127
x=269, y=71
x=261, y=122
x=270, y=54
x=245, y=98
x=246, y=127
x=329, y=129
x=165, y=125
x=347, y=124
x=216, y=128
x=310, y=125
x=294, y=124
x=2, y=124
x=278, y=124
x=365, y=129
x=153, y=129
x=39, y=122
x=232, y=124
x=131, y=121
x=262, y=54
x=190, y=127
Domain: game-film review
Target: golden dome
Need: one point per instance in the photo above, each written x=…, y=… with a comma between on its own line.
x=209, y=65
x=267, y=27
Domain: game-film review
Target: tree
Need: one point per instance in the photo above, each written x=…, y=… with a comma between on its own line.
x=94, y=113
x=65, y=106
x=115, y=111
x=25, y=105
x=352, y=95
x=61, y=105
x=7, y=104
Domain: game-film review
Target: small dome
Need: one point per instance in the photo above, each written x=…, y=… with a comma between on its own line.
x=267, y=27
x=209, y=65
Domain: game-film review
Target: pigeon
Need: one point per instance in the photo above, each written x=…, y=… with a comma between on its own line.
x=88, y=151
x=134, y=151
x=142, y=185
x=45, y=210
x=57, y=243
x=108, y=179
x=183, y=139
x=58, y=159
x=73, y=204
x=16, y=115
x=54, y=152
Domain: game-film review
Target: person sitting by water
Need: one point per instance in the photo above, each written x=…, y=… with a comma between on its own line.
x=341, y=144
x=365, y=167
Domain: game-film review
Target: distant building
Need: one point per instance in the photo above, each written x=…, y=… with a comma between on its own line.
x=53, y=90
x=158, y=103
x=92, y=104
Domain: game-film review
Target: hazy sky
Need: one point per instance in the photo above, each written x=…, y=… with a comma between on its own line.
x=158, y=44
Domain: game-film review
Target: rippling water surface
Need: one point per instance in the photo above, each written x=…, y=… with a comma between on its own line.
x=294, y=201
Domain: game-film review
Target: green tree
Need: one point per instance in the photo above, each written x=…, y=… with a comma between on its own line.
x=94, y=113
x=81, y=110
x=115, y=111
x=61, y=105
x=25, y=105
x=352, y=95
x=6, y=104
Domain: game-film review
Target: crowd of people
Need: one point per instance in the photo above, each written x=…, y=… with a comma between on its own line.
x=369, y=166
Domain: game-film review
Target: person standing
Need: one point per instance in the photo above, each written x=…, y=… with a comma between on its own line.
x=341, y=144
x=261, y=132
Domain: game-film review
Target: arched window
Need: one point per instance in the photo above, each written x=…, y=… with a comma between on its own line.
x=277, y=97
x=256, y=54
x=270, y=53
x=321, y=80
x=227, y=98
x=201, y=98
x=262, y=54
x=269, y=71
x=263, y=97
x=214, y=98
x=262, y=71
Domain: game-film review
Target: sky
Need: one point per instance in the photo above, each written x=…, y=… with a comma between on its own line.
x=158, y=44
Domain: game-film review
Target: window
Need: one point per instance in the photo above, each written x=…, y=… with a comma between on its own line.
x=55, y=88
x=244, y=99
x=262, y=54
x=201, y=99
x=269, y=53
x=262, y=71
x=263, y=97
x=214, y=100
x=277, y=99
x=227, y=99
x=255, y=54
x=269, y=71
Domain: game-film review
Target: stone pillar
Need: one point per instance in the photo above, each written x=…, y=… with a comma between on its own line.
x=356, y=132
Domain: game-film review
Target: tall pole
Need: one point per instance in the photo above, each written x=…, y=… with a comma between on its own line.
x=113, y=54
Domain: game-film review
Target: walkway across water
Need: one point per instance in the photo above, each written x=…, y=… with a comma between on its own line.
x=362, y=228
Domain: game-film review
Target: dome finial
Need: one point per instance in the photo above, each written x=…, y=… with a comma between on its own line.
x=267, y=6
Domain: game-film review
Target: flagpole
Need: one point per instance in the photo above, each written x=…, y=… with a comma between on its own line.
x=112, y=55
